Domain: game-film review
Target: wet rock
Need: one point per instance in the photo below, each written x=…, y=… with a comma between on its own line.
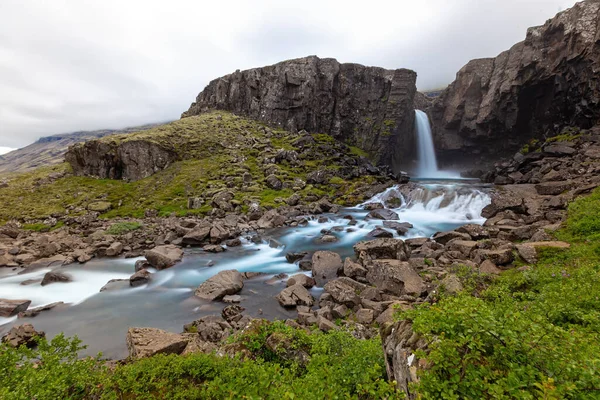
x=9, y=308
x=380, y=233
x=162, y=257
x=141, y=264
x=33, y=312
x=115, y=284
x=381, y=249
x=140, y=278
x=295, y=295
x=373, y=206
x=233, y=242
x=293, y=257
x=146, y=342
x=213, y=248
x=236, y=298
x=400, y=227
x=224, y=283
x=56, y=276
x=326, y=265
x=301, y=279
x=395, y=277
x=328, y=239
x=383, y=213
x=22, y=335
x=44, y=263
x=305, y=265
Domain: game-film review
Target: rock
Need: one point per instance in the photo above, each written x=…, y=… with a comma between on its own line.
x=476, y=232
x=353, y=269
x=445, y=237
x=283, y=345
x=22, y=335
x=528, y=250
x=328, y=239
x=326, y=265
x=553, y=188
x=211, y=328
x=162, y=257
x=44, y=263
x=364, y=316
x=559, y=150
x=451, y=284
x=197, y=236
x=236, y=298
x=293, y=257
x=373, y=206
x=380, y=233
x=301, y=279
x=291, y=93
x=140, y=278
x=114, y=249
x=224, y=283
x=273, y=182
x=381, y=249
x=33, y=312
x=463, y=246
x=498, y=257
x=400, y=227
x=277, y=279
x=342, y=293
x=505, y=201
x=305, y=265
x=383, y=213
x=222, y=200
x=232, y=312
x=55, y=276
x=9, y=308
x=115, y=284
x=213, y=248
x=488, y=267
x=271, y=219
x=395, y=277
x=295, y=295
x=141, y=264
x=325, y=325
x=146, y=342
x=233, y=242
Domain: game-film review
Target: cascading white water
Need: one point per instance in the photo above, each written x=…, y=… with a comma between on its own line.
x=427, y=163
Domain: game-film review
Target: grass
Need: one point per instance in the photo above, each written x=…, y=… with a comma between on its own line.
x=121, y=228
x=300, y=366
x=216, y=149
x=533, y=333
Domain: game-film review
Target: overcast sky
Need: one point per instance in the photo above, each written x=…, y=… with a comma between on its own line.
x=68, y=65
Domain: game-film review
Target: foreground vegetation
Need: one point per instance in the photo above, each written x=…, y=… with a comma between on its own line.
x=217, y=150
x=309, y=366
x=533, y=333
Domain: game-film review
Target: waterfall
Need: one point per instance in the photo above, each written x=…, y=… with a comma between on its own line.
x=427, y=164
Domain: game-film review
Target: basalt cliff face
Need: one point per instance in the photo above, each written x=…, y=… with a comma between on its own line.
x=368, y=107
x=534, y=90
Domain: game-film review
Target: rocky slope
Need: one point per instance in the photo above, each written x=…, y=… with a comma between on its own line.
x=533, y=90
x=50, y=150
x=367, y=107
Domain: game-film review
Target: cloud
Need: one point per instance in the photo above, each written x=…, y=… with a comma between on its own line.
x=4, y=150
x=71, y=65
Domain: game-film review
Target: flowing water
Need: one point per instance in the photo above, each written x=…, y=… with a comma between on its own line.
x=101, y=319
x=427, y=167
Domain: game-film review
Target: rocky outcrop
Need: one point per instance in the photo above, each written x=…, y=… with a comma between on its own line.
x=368, y=107
x=22, y=335
x=131, y=160
x=533, y=90
x=9, y=308
x=146, y=342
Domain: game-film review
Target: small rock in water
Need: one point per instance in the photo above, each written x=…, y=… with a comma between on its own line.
x=236, y=298
x=380, y=233
x=328, y=239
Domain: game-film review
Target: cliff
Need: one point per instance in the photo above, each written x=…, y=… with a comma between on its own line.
x=533, y=90
x=367, y=107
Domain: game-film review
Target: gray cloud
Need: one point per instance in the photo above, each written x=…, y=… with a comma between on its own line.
x=72, y=65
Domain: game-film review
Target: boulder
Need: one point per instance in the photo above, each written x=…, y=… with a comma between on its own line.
x=451, y=284
x=502, y=202
x=488, y=267
x=326, y=265
x=395, y=277
x=140, y=278
x=295, y=295
x=162, y=257
x=380, y=233
x=342, y=293
x=498, y=257
x=9, y=308
x=400, y=227
x=114, y=249
x=559, y=150
x=56, y=276
x=445, y=237
x=293, y=257
x=270, y=219
x=383, y=213
x=211, y=328
x=197, y=236
x=528, y=250
x=115, y=284
x=224, y=283
x=146, y=342
x=22, y=335
x=33, y=312
x=365, y=316
x=554, y=188
x=353, y=269
x=381, y=249
x=274, y=182
x=301, y=279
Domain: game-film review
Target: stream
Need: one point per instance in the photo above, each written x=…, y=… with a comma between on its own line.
x=101, y=319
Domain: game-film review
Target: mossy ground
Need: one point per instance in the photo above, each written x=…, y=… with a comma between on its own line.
x=216, y=150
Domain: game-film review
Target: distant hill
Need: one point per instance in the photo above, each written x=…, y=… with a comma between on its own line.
x=50, y=150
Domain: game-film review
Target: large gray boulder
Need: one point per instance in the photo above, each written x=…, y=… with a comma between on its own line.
x=295, y=295
x=9, y=308
x=385, y=248
x=224, y=283
x=395, y=277
x=325, y=266
x=162, y=257
x=146, y=342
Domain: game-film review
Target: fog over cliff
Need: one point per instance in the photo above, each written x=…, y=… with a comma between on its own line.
x=73, y=65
